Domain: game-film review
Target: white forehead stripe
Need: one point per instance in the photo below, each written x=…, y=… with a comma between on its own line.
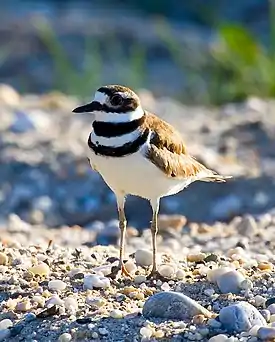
x=119, y=117
x=100, y=97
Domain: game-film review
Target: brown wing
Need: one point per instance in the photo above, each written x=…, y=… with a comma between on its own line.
x=168, y=152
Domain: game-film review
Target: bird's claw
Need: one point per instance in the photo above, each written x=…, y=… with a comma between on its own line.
x=118, y=268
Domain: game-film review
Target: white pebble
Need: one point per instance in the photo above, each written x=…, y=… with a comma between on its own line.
x=116, y=314
x=146, y=332
x=144, y=257
x=214, y=274
x=71, y=304
x=230, y=282
x=66, y=337
x=180, y=274
x=167, y=270
x=54, y=300
x=103, y=331
x=218, y=338
x=209, y=292
x=57, y=285
x=96, y=281
x=130, y=266
x=165, y=287
x=254, y=330
x=40, y=269
x=259, y=300
x=5, y=324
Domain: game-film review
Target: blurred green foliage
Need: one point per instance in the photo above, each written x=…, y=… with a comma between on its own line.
x=237, y=66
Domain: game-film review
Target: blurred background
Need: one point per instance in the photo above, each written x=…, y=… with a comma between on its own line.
x=207, y=67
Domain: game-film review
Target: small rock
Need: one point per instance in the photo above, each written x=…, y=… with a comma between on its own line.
x=247, y=226
x=167, y=270
x=214, y=274
x=66, y=337
x=144, y=257
x=271, y=308
x=173, y=305
x=171, y=221
x=30, y=317
x=259, y=300
x=180, y=274
x=40, y=269
x=196, y=257
x=3, y=259
x=71, y=304
x=103, y=331
x=130, y=266
x=23, y=306
x=5, y=324
x=265, y=314
x=240, y=317
x=57, y=285
x=230, y=282
x=218, y=338
x=211, y=257
x=146, y=332
x=96, y=281
x=139, y=279
x=266, y=333
x=4, y=334
x=116, y=314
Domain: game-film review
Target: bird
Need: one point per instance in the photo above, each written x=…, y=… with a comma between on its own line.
x=137, y=153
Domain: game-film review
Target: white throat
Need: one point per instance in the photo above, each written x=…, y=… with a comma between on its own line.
x=119, y=117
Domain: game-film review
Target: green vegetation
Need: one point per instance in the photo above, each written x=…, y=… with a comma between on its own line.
x=236, y=67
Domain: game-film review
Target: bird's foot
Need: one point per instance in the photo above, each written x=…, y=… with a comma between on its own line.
x=154, y=274
x=116, y=269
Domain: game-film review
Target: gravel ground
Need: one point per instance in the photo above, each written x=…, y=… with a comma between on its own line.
x=59, y=231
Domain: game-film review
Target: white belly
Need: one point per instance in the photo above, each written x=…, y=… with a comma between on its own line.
x=136, y=175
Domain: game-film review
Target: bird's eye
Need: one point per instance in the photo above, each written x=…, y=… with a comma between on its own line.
x=116, y=100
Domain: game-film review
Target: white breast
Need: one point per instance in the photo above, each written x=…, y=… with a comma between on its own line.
x=136, y=175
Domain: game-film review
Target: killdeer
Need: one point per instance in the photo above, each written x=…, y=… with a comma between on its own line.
x=137, y=153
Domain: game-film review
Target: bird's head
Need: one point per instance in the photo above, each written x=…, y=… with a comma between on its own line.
x=113, y=103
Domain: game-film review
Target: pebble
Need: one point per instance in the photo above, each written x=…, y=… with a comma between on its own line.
x=266, y=314
x=266, y=333
x=66, y=337
x=259, y=300
x=240, y=317
x=144, y=257
x=3, y=259
x=130, y=266
x=139, y=279
x=166, y=270
x=214, y=274
x=96, y=281
x=116, y=314
x=40, y=269
x=230, y=282
x=196, y=257
x=271, y=308
x=180, y=274
x=103, y=331
x=4, y=334
x=218, y=338
x=23, y=306
x=146, y=332
x=5, y=324
x=247, y=226
x=57, y=285
x=173, y=305
x=71, y=304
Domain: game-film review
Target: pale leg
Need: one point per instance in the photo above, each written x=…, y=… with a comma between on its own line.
x=122, y=227
x=154, y=231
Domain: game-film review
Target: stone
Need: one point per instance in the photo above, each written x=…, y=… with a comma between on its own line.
x=266, y=333
x=173, y=305
x=5, y=324
x=144, y=257
x=96, y=281
x=230, y=282
x=247, y=226
x=57, y=285
x=240, y=317
x=66, y=337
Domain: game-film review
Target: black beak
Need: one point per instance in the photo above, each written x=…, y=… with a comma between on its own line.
x=88, y=108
